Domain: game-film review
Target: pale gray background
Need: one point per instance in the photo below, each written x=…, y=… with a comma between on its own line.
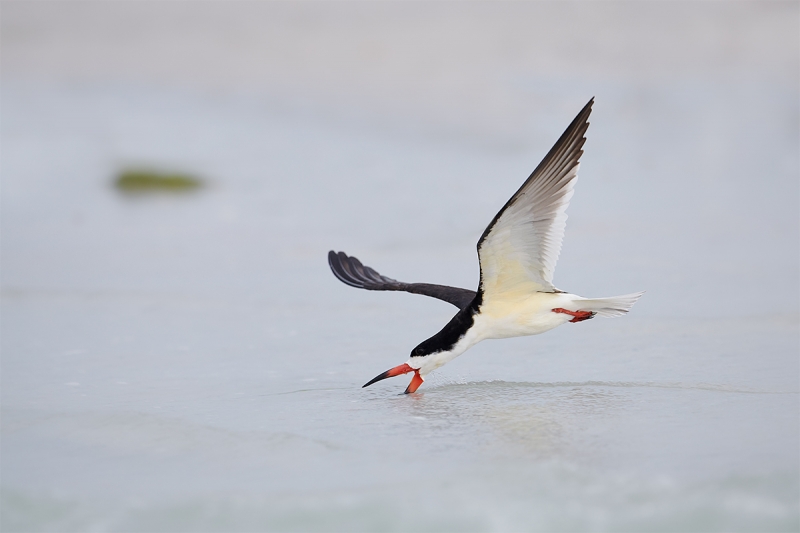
x=188, y=362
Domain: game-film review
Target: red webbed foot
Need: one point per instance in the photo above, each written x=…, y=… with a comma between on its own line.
x=578, y=316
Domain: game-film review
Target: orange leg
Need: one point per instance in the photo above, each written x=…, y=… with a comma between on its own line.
x=579, y=316
x=416, y=381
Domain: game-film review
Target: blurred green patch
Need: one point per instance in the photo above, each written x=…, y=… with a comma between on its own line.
x=139, y=180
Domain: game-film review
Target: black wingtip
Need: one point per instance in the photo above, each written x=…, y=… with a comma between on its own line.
x=342, y=268
x=587, y=109
x=583, y=116
x=350, y=271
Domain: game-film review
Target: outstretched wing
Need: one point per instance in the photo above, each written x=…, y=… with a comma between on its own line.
x=519, y=249
x=349, y=270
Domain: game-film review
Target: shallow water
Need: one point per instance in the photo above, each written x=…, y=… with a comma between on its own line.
x=188, y=362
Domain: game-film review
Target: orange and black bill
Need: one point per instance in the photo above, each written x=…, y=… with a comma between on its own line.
x=416, y=381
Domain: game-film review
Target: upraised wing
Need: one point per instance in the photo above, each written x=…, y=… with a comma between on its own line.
x=350, y=271
x=519, y=249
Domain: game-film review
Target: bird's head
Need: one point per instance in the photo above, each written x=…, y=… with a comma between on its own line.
x=426, y=348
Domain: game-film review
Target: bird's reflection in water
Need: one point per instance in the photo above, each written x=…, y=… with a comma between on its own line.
x=533, y=420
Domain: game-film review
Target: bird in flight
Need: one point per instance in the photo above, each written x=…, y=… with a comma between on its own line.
x=517, y=254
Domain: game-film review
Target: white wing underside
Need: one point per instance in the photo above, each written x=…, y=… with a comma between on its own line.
x=519, y=250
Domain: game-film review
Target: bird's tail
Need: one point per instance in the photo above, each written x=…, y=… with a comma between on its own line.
x=610, y=307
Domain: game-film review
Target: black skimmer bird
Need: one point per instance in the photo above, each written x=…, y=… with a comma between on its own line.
x=517, y=254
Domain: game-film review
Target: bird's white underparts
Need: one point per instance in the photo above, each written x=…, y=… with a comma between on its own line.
x=517, y=254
